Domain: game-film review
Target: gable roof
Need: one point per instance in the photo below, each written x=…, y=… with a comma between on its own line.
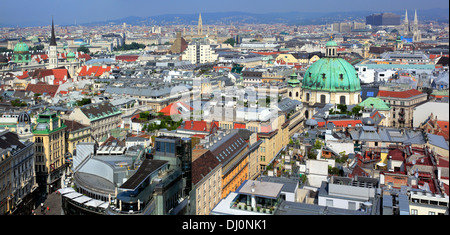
x=399, y=94
x=43, y=88
x=98, y=109
x=73, y=125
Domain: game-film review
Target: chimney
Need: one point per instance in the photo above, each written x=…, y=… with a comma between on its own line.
x=389, y=164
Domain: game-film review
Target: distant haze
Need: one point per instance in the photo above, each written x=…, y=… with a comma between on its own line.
x=66, y=12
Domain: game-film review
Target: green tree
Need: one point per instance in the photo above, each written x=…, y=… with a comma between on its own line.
x=355, y=110
x=144, y=115
x=342, y=107
x=18, y=103
x=318, y=144
x=38, y=47
x=84, y=49
x=4, y=49
x=132, y=46
x=230, y=41
x=83, y=101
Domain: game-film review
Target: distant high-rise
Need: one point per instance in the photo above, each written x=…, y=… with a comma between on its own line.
x=383, y=19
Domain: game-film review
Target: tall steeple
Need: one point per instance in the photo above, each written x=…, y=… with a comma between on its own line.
x=416, y=32
x=53, y=38
x=406, y=17
x=416, y=20
x=406, y=23
x=200, y=25
x=53, y=53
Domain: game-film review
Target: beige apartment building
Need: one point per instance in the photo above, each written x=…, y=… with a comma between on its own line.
x=275, y=133
x=402, y=105
x=76, y=133
x=100, y=117
x=225, y=162
x=18, y=177
x=207, y=189
x=50, y=147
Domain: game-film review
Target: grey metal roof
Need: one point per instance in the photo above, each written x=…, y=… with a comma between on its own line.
x=147, y=91
x=289, y=185
x=287, y=104
x=437, y=140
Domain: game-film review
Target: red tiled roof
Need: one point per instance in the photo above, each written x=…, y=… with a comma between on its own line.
x=24, y=75
x=358, y=171
x=345, y=123
x=239, y=125
x=85, y=56
x=95, y=71
x=61, y=74
x=397, y=154
x=173, y=108
x=340, y=123
x=195, y=125
x=443, y=162
x=43, y=88
x=127, y=57
x=444, y=129
x=399, y=94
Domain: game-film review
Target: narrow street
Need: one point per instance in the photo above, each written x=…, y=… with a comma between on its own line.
x=52, y=205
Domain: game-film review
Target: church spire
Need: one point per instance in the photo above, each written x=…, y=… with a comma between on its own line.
x=200, y=25
x=406, y=16
x=53, y=38
x=416, y=20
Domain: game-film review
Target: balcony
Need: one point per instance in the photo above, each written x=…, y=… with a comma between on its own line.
x=263, y=205
x=254, y=196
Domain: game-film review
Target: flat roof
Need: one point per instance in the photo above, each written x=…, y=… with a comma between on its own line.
x=261, y=189
x=63, y=191
x=147, y=167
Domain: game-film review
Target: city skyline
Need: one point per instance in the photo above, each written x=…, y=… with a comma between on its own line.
x=81, y=12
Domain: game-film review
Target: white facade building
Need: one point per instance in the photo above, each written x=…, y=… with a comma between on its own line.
x=199, y=52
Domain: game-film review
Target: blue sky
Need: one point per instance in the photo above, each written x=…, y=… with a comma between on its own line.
x=68, y=11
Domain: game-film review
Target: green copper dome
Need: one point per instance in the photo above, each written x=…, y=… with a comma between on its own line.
x=331, y=74
x=331, y=44
x=21, y=48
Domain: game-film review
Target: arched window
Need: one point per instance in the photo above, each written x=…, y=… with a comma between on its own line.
x=323, y=99
x=290, y=94
x=307, y=96
x=296, y=94
x=342, y=99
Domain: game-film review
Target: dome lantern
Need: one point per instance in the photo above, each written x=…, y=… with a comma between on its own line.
x=331, y=49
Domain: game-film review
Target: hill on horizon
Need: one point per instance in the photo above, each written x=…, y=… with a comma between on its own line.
x=236, y=17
